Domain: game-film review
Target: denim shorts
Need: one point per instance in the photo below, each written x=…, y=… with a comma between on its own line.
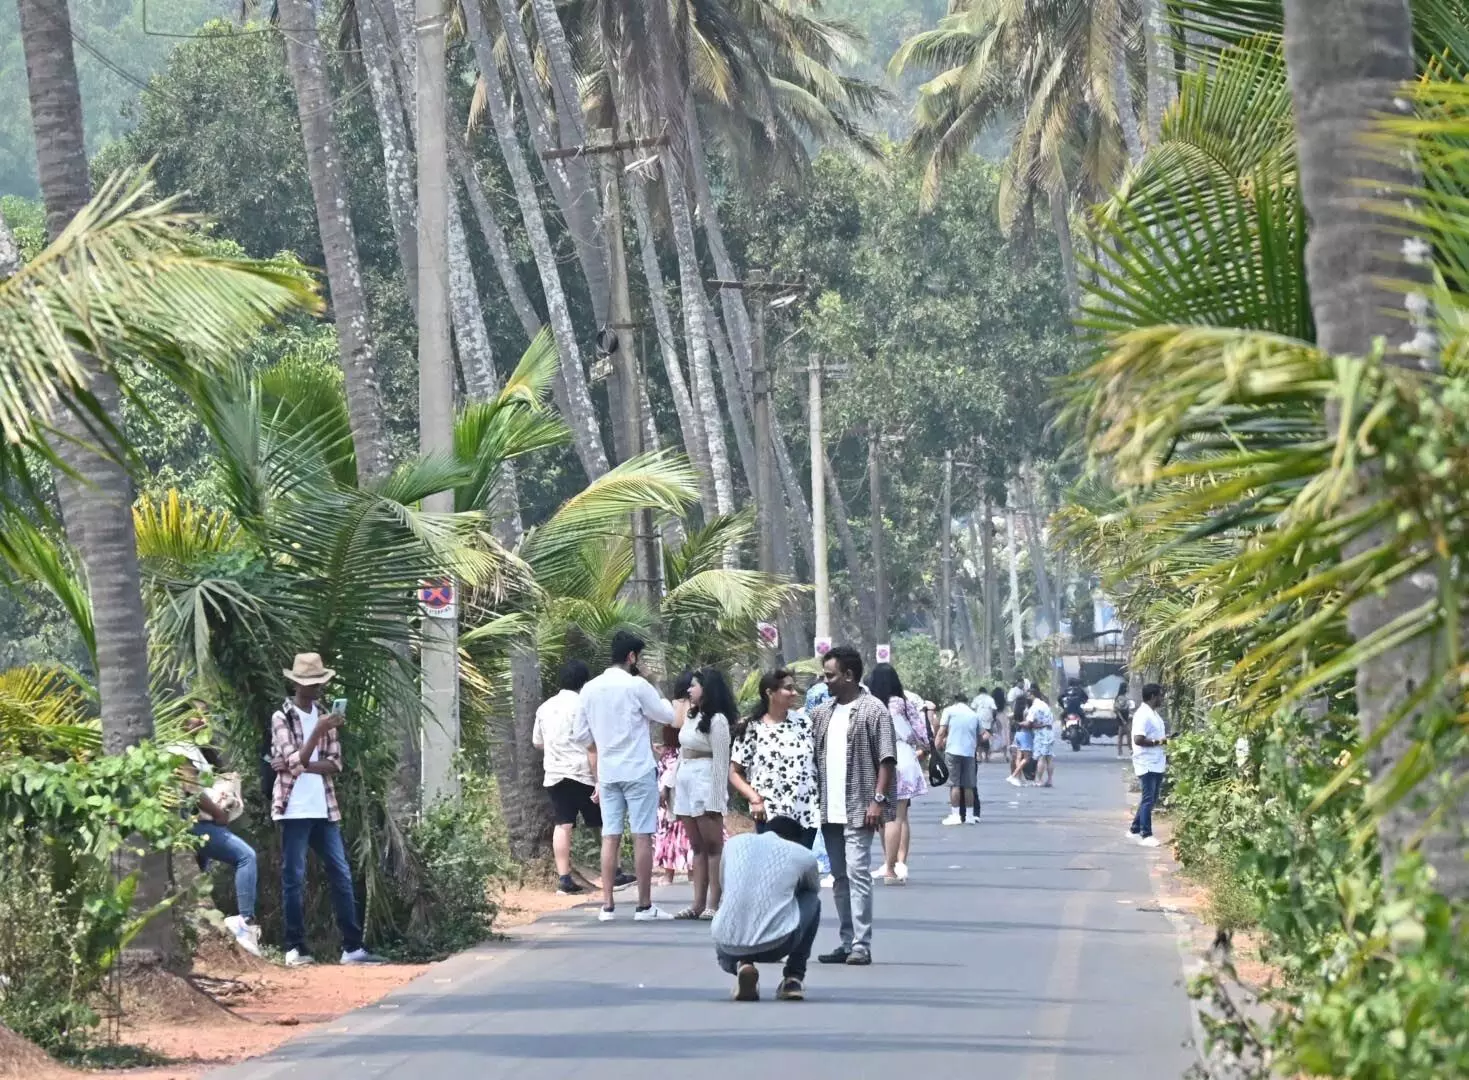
x=630, y=802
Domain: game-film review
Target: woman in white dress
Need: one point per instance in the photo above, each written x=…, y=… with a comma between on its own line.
x=911, y=733
x=701, y=791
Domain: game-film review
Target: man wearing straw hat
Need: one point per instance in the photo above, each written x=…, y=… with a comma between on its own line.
x=306, y=754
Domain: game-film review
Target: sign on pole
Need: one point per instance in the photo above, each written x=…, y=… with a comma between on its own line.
x=769, y=635
x=884, y=654
x=823, y=646
x=437, y=599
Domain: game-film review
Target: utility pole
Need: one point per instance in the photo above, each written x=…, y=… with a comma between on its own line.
x=946, y=619
x=618, y=343
x=879, y=574
x=439, y=655
x=991, y=588
x=819, y=571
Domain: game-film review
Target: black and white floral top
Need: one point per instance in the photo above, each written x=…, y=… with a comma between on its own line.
x=779, y=761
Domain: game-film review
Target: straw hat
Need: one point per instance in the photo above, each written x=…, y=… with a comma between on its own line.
x=308, y=670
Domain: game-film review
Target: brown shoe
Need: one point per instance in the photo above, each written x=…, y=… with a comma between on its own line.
x=790, y=989
x=747, y=983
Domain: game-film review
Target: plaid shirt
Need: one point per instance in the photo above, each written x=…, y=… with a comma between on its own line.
x=870, y=742
x=286, y=739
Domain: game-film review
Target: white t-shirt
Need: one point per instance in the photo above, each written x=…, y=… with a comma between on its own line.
x=836, y=764
x=984, y=705
x=1146, y=759
x=615, y=715
x=308, y=796
x=564, y=759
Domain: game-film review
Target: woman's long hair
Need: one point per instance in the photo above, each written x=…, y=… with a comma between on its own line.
x=717, y=699
x=769, y=684
x=883, y=683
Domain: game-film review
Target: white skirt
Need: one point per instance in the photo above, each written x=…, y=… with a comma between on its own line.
x=693, y=789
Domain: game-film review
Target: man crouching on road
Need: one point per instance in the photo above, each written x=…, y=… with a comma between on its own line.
x=770, y=910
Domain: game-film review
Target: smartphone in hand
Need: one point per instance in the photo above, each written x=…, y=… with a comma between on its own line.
x=339, y=706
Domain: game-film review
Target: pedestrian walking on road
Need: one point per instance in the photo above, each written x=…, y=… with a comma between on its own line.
x=1149, y=761
x=1042, y=723
x=701, y=792
x=984, y=708
x=856, y=756
x=911, y=731
x=773, y=765
x=771, y=908
x=958, y=739
x=614, y=720
x=306, y=754
x=568, y=769
x=1023, y=738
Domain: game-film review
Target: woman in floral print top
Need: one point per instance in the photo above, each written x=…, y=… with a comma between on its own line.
x=773, y=764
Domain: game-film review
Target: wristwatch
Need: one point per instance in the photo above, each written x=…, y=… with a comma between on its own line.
x=880, y=799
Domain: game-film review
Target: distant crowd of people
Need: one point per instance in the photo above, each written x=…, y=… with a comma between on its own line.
x=824, y=777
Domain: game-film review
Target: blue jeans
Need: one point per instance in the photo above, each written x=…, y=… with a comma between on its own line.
x=1152, y=783
x=324, y=838
x=221, y=845
x=794, y=948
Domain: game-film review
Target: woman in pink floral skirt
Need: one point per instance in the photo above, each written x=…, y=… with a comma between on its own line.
x=672, y=852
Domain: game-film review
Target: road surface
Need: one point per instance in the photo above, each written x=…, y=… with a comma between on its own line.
x=1028, y=947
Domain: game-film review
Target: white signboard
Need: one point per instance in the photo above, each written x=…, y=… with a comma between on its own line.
x=884, y=654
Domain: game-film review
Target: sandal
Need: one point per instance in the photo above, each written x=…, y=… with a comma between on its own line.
x=688, y=914
x=708, y=914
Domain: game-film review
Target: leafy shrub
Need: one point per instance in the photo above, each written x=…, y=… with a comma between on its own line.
x=68, y=914
x=921, y=666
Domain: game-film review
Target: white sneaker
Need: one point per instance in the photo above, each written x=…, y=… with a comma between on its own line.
x=1150, y=841
x=1134, y=837
x=880, y=872
x=828, y=882
x=900, y=871
x=1012, y=781
x=361, y=957
x=606, y=914
x=653, y=913
x=298, y=958
x=974, y=820
x=952, y=819
x=247, y=936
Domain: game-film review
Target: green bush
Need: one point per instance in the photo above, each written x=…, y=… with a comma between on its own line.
x=65, y=827
x=921, y=666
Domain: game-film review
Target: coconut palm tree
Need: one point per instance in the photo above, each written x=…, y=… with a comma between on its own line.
x=305, y=59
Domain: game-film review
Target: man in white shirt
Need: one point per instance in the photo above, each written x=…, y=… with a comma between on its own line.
x=1149, y=761
x=614, y=722
x=568, y=769
x=984, y=708
x=958, y=738
x=770, y=910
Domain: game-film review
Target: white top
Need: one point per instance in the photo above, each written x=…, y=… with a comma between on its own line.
x=615, y=712
x=1146, y=759
x=762, y=875
x=962, y=724
x=836, y=763
x=984, y=706
x=565, y=759
x=1011, y=694
x=308, y=795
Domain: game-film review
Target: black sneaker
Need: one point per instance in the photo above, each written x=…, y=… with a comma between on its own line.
x=859, y=958
x=747, y=984
x=569, y=888
x=622, y=880
x=839, y=955
x=790, y=989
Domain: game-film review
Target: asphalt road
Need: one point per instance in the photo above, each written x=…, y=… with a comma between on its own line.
x=1028, y=947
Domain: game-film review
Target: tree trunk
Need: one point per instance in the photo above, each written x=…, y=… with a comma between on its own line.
x=991, y=588
x=1061, y=223
x=694, y=445
x=1126, y=114
x=850, y=555
x=573, y=397
x=96, y=502
x=696, y=332
x=729, y=376
x=338, y=240
x=1015, y=610
x=377, y=58
x=570, y=179
x=737, y=321
x=1347, y=64
x=1158, y=41
x=494, y=236
x=874, y=512
x=1035, y=540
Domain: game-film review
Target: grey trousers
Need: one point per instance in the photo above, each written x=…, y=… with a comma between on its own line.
x=850, y=849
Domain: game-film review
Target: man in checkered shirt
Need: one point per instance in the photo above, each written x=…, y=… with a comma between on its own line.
x=856, y=756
